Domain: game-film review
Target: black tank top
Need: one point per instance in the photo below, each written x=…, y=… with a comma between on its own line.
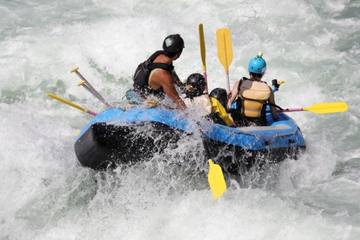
x=142, y=73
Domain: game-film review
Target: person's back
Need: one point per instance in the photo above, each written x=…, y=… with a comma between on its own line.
x=252, y=95
x=156, y=76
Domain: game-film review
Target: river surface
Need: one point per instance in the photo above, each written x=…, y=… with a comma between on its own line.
x=46, y=194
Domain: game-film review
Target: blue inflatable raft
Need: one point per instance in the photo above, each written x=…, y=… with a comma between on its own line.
x=116, y=136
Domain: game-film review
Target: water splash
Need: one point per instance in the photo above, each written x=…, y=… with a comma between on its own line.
x=45, y=194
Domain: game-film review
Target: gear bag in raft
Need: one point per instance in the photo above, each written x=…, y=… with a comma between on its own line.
x=142, y=73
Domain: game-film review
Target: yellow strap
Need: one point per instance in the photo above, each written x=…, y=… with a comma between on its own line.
x=216, y=180
x=217, y=107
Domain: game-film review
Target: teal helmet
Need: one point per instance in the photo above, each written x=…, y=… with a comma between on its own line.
x=257, y=65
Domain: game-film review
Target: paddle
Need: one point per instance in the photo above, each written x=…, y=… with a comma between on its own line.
x=216, y=180
x=203, y=53
x=70, y=103
x=225, y=52
x=321, y=108
x=86, y=84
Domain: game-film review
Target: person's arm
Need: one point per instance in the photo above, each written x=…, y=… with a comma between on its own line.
x=272, y=107
x=167, y=84
x=177, y=80
x=233, y=93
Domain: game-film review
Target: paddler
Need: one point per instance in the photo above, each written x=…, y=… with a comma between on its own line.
x=250, y=95
x=195, y=97
x=218, y=99
x=156, y=76
x=212, y=106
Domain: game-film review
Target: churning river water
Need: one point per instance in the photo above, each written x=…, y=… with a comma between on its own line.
x=46, y=194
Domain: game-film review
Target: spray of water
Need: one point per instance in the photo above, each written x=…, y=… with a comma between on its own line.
x=45, y=194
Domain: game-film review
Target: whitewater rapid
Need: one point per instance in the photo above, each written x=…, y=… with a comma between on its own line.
x=46, y=194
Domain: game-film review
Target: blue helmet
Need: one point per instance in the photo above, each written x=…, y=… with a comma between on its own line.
x=257, y=65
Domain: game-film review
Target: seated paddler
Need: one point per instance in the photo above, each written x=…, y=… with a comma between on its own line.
x=219, y=114
x=201, y=104
x=250, y=97
x=156, y=76
x=195, y=97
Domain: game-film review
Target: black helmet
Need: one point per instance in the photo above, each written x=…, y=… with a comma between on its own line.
x=221, y=95
x=195, y=85
x=173, y=44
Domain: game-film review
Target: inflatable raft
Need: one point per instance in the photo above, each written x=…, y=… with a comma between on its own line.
x=116, y=136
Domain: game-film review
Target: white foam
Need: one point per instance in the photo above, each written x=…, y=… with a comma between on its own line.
x=44, y=194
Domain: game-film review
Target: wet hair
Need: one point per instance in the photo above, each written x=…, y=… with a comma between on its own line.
x=256, y=75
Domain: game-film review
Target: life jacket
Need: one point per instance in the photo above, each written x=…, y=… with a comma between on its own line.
x=220, y=111
x=253, y=95
x=142, y=74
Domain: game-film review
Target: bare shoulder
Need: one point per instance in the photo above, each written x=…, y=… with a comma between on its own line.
x=163, y=75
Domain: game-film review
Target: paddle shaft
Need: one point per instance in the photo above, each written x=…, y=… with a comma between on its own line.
x=71, y=104
x=293, y=110
x=227, y=81
x=206, y=86
x=91, y=112
x=90, y=88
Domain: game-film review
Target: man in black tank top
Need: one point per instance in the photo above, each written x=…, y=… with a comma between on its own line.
x=156, y=76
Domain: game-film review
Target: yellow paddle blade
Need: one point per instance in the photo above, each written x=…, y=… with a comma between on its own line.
x=327, y=107
x=202, y=46
x=216, y=180
x=224, y=47
x=66, y=101
x=280, y=82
